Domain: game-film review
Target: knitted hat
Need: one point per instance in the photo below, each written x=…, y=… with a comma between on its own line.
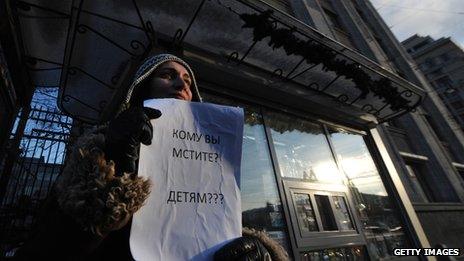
x=151, y=64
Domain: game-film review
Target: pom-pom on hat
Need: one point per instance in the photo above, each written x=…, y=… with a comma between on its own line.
x=151, y=64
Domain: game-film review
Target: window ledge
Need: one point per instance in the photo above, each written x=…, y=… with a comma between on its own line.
x=412, y=156
x=459, y=166
x=438, y=207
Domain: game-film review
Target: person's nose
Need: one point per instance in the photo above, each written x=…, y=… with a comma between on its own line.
x=180, y=84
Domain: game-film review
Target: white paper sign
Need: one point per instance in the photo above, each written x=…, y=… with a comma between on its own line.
x=194, y=165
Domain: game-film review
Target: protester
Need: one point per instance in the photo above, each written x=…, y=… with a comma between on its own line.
x=88, y=213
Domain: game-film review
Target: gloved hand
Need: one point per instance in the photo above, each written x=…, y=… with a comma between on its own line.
x=124, y=135
x=247, y=248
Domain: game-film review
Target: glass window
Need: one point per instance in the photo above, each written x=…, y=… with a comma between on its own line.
x=424, y=66
x=457, y=105
x=318, y=211
x=430, y=62
x=340, y=33
x=355, y=253
x=261, y=205
x=333, y=20
x=445, y=57
x=282, y=5
x=401, y=140
x=326, y=213
x=461, y=173
x=444, y=82
x=435, y=127
x=302, y=150
x=420, y=45
x=383, y=228
x=305, y=213
x=342, y=214
x=435, y=73
x=419, y=185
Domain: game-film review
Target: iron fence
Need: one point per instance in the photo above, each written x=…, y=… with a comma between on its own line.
x=29, y=171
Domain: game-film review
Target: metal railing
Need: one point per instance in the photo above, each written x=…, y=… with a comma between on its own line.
x=29, y=171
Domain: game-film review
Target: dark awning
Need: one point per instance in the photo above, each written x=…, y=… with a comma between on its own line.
x=83, y=47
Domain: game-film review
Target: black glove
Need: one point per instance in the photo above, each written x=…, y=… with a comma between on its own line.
x=243, y=249
x=124, y=135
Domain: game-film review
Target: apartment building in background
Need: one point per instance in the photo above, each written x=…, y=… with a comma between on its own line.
x=442, y=62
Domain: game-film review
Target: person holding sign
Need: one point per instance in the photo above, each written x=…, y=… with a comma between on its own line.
x=88, y=213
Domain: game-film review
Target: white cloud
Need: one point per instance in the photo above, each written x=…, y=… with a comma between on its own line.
x=408, y=17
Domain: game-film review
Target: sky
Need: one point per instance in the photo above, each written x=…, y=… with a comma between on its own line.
x=437, y=18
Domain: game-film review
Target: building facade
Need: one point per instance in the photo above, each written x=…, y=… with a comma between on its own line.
x=442, y=62
x=331, y=150
x=426, y=145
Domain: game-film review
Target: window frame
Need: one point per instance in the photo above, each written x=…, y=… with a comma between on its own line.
x=295, y=247
x=321, y=238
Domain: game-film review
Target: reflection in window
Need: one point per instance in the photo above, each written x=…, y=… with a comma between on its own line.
x=342, y=214
x=382, y=226
x=261, y=205
x=326, y=213
x=302, y=150
x=305, y=213
x=356, y=253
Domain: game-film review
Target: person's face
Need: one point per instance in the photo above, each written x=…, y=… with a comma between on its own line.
x=169, y=80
